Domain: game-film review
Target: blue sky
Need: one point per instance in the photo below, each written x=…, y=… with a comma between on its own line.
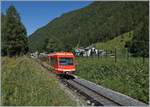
x=35, y=14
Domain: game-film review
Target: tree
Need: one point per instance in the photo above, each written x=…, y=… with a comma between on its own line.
x=15, y=35
x=46, y=42
x=3, y=42
x=140, y=42
x=52, y=45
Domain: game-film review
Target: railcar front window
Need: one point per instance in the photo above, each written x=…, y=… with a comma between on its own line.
x=66, y=61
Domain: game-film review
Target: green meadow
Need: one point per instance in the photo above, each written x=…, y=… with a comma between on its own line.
x=116, y=43
x=130, y=77
x=26, y=83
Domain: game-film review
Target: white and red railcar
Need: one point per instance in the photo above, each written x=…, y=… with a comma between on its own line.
x=62, y=62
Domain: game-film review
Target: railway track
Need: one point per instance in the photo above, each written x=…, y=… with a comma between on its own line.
x=97, y=94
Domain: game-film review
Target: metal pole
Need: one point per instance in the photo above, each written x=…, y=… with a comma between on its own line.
x=127, y=55
x=115, y=55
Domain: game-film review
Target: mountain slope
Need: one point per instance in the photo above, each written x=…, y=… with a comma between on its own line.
x=100, y=21
x=116, y=43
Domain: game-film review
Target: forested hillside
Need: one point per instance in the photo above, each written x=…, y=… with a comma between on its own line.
x=98, y=22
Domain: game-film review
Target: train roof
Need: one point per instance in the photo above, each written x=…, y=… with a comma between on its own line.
x=61, y=54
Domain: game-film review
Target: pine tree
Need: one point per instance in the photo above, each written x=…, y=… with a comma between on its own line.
x=52, y=45
x=3, y=39
x=140, y=42
x=15, y=33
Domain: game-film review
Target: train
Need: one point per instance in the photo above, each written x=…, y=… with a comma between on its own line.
x=62, y=62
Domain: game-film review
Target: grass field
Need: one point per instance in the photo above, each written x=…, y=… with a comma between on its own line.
x=116, y=43
x=129, y=77
x=25, y=83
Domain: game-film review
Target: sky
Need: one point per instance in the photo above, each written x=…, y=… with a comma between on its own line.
x=35, y=14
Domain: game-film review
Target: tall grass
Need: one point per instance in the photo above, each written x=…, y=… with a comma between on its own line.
x=128, y=77
x=25, y=83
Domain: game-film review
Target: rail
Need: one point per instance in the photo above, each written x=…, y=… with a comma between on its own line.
x=101, y=95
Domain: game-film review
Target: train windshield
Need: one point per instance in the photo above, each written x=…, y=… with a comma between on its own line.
x=66, y=61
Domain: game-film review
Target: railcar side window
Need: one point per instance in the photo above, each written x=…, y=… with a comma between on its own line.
x=66, y=61
x=53, y=61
